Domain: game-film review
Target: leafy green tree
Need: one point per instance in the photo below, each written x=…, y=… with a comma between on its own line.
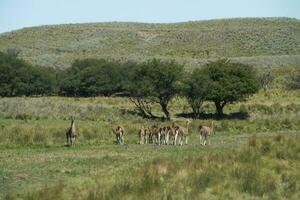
x=92, y=77
x=139, y=87
x=164, y=77
x=155, y=81
x=18, y=78
x=196, y=87
x=229, y=82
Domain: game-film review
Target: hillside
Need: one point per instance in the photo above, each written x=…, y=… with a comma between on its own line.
x=259, y=41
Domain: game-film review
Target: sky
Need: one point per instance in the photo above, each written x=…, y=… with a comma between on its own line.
x=16, y=14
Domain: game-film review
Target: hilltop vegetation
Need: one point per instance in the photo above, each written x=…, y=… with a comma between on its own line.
x=257, y=41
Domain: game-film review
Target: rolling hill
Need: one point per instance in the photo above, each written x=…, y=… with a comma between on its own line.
x=258, y=41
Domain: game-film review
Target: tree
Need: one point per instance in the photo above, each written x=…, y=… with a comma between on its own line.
x=196, y=88
x=19, y=78
x=92, y=77
x=155, y=81
x=165, y=76
x=229, y=82
x=139, y=88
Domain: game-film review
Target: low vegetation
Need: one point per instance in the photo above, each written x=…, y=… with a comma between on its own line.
x=293, y=82
x=266, y=167
x=255, y=41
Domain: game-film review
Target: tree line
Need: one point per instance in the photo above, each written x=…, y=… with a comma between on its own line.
x=147, y=83
x=18, y=78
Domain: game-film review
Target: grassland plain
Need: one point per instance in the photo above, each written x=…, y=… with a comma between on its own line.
x=256, y=41
x=35, y=164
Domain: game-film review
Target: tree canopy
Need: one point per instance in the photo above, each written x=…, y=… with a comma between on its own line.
x=17, y=78
x=92, y=77
x=229, y=82
x=154, y=81
x=195, y=89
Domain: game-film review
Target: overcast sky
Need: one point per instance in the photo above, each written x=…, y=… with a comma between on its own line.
x=15, y=14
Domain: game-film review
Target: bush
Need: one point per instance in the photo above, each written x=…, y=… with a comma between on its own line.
x=293, y=81
x=93, y=77
x=18, y=78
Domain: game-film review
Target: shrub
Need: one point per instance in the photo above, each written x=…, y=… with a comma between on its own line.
x=293, y=81
x=18, y=78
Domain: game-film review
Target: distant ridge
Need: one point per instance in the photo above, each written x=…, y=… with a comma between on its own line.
x=251, y=40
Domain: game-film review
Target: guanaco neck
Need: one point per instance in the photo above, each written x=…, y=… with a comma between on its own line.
x=187, y=125
x=73, y=126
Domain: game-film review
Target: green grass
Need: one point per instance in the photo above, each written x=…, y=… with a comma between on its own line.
x=266, y=168
x=43, y=120
x=35, y=164
x=257, y=41
x=252, y=158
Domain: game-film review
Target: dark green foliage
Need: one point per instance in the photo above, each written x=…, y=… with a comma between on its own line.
x=155, y=81
x=139, y=88
x=195, y=90
x=18, y=78
x=92, y=77
x=229, y=82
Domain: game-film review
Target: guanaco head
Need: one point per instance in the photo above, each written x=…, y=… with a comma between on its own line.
x=200, y=127
x=72, y=120
x=188, y=122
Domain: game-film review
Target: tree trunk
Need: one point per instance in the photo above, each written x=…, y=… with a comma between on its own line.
x=144, y=111
x=164, y=107
x=196, y=111
x=219, y=107
x=196, y=107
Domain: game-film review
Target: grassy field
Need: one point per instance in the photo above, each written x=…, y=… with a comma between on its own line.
x=36, y=164
x=137, y=171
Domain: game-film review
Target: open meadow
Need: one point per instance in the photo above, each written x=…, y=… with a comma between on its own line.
x=253, y=154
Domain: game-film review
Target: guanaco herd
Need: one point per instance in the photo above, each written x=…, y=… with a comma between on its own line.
x=154, y=134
